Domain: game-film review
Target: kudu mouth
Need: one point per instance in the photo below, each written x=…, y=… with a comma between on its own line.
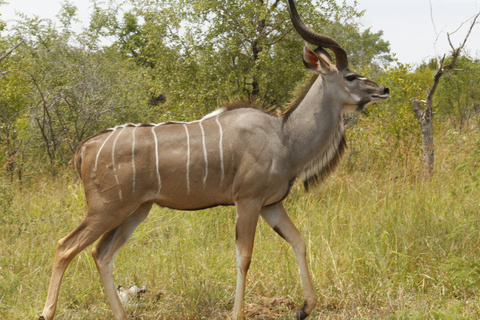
x=374, y=97
x=381, y=97
x=316, y=38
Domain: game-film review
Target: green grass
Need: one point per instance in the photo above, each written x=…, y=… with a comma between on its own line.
x=382, y=244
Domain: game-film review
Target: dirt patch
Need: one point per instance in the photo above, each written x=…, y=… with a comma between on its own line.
x=268, y=308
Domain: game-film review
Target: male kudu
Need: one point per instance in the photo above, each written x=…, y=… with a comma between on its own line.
x=235, y=156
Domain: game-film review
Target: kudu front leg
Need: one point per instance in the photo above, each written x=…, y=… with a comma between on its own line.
x=106, y=249
x=277, y=218
x=247, y=218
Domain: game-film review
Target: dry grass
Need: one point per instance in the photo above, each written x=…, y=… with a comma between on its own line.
x=382, y=244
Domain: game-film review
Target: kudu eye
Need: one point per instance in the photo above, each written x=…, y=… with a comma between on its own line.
x=350, y=77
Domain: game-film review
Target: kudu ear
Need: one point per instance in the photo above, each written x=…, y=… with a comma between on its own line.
x=318, y=61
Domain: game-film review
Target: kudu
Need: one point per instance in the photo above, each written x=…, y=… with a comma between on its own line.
x=234, y=156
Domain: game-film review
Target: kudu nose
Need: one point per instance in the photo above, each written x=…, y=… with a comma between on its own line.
x=386, y=90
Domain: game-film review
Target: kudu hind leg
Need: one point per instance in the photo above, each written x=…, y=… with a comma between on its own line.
x=247, y=218
x=106, y=249
x=67, y=248
x=277, y=218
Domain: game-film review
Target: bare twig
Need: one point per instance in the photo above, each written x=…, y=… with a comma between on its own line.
x=437, y=35
x=456, y=52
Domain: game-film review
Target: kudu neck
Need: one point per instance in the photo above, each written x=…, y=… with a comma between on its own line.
x=311, y=126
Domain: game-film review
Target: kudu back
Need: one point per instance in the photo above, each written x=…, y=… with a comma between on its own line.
x=234, y=156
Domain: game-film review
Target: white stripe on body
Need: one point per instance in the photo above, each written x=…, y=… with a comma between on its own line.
x=113, y=161
x=188, y=158
x=82, y=155
x=133, y=158
x=156, y=160
x=204, y=155
x=220, y=144
x=101, y=147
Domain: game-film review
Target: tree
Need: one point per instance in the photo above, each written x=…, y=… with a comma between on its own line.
x=425, y=115
x=74, y=87
x=257, y=40
x=231, y=50
x=13, y=145
x=9, y=52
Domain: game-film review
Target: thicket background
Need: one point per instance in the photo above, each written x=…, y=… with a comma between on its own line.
x=383, y=243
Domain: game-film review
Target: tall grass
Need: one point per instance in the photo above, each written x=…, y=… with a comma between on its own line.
x=382, y=244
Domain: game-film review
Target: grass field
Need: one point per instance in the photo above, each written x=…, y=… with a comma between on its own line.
x=382, y=244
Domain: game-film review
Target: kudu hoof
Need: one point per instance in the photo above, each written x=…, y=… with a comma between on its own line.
x=301, y=314
x=41, y=318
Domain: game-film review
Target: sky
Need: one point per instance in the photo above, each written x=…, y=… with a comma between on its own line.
x=416, y=29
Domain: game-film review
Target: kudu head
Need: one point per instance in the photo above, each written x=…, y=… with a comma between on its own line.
x=353, y=91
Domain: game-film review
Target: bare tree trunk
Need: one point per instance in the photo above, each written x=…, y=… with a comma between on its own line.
x=424, y=117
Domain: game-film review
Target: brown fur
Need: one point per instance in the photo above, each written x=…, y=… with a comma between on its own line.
x=78, y=152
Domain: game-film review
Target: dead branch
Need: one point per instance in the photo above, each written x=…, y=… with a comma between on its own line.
x=456, y=52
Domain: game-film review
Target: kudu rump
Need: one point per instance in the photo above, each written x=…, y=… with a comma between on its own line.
x=234, y=156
